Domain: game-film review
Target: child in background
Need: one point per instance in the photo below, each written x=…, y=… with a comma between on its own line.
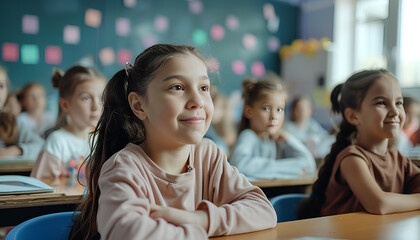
x=33, y=101
x=263, y=150
x=80, y=91
x=12, y=104
x=16, y=140
x=151, y=174
x=222, y=128
x=307, y=129
x=361, y=173
x=411, y=125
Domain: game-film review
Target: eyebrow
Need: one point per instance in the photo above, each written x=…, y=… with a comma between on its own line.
x=203, y=77
x=382, y=97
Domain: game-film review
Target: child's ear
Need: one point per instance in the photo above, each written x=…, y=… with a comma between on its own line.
x=136, y=104
x=63, y=105
x=352, y=116
x=247, y=111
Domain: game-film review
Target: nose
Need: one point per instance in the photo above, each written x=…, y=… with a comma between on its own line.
x=95, y=104
x=393, y=111
x=273, y=115
x=195, y=100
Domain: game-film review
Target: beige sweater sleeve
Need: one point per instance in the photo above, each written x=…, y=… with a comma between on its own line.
x=47, y=166
x=234, y=205
x=124, y=207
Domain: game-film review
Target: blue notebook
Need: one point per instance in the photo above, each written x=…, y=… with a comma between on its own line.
x=15, y=184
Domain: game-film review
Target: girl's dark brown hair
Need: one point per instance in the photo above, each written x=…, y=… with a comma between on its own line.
x=252, y=91
x=346, y=95
x=67, y=82
x=8, y=125
x=118, y=125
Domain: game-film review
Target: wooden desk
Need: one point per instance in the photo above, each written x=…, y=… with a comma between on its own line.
x=274, y=187
x=18, y=208
x=16, y=166
x=346, y=226
x=416, y=161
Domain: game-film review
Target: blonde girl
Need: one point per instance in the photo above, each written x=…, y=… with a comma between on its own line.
x=151, y=174
x=80, y=91
x=16, y=140
x=263, y=150
x=361, y=173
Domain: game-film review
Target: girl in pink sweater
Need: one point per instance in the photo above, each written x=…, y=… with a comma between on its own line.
x=151, y=175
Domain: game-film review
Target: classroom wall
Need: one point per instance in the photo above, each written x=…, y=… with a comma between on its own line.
x=242, y=36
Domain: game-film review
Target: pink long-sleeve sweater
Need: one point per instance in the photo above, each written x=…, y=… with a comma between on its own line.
x=130, y=182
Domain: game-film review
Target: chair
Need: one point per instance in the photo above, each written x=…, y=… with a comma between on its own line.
x=51, y=226
x=287, y=205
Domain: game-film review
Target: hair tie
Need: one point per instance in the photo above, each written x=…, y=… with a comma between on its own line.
x=128, y=67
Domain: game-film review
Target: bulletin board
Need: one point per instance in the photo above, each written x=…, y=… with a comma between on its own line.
x=239, y=37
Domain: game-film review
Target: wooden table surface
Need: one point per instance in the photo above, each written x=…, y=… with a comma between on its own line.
x=67, y=195
x=16, y=165
x=284, y=182
x=405, y=226
x=416, y=161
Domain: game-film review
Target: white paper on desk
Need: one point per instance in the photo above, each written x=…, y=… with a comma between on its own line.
x=15, y=184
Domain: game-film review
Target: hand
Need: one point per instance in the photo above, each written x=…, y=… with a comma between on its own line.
x=11, y=151
x=280, y=136
x=178, y=216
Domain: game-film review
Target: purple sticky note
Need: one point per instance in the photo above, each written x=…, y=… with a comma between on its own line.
x=258, y=69
x=10, y=52
x=130, y=3
x=122, y=26
x=71, y=34
x=238, y=67
x=217, y=32
x=30, y=24
x=53, y=55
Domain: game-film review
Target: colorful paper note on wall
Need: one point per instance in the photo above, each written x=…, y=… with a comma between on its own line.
x=161, y=23
x=249, y=41
x=273, y=44
x=10, y=52
x=232, y=22
x=122, y=26
x=213, y=64
x=71, y=34
x=258, y=69
x=30, y=24
x=196, y=7
x=107, y=56
x=53, y=55
x=93, y=18
x=30, y=54
x=199, y=37
x=130, y=3
x=217, y=32
x=123, y=56
x=238, y=67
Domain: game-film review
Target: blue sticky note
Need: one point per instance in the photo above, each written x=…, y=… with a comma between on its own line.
x=30, y=54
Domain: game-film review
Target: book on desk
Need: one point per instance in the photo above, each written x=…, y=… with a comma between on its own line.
x=16, y=184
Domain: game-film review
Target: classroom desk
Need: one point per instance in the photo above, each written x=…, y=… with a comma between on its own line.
x=15, y=209
x=16, y=166
x=274, y=187
x=416, y=161
x=345, y=226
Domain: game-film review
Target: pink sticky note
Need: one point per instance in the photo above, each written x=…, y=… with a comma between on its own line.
x=122, y=26
x=161, y=23
x=30, y=24
x=238, y=67
x=123, y=56
x=217, y=32
x=93, y=18
x=107, y=56
x=10, y=52
x=213, y=64
x=71, y=34
x=53, y=55
x=130, y=3
x=258, y=69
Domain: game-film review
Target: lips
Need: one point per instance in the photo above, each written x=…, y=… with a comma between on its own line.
x=193, y=120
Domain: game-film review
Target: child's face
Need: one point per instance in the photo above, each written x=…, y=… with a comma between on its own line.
x=84, y=106
x=177, y=108
x=34, y=100
x=266, y=115
x=382, y=114
x=3, y=89
x=412, y=112
x=302, y=111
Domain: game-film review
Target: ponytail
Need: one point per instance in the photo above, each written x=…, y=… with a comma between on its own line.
x=8, y=128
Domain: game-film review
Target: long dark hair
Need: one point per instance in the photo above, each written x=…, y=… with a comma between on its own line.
x=252, y=91
x=118, y=125
x=346, y=95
